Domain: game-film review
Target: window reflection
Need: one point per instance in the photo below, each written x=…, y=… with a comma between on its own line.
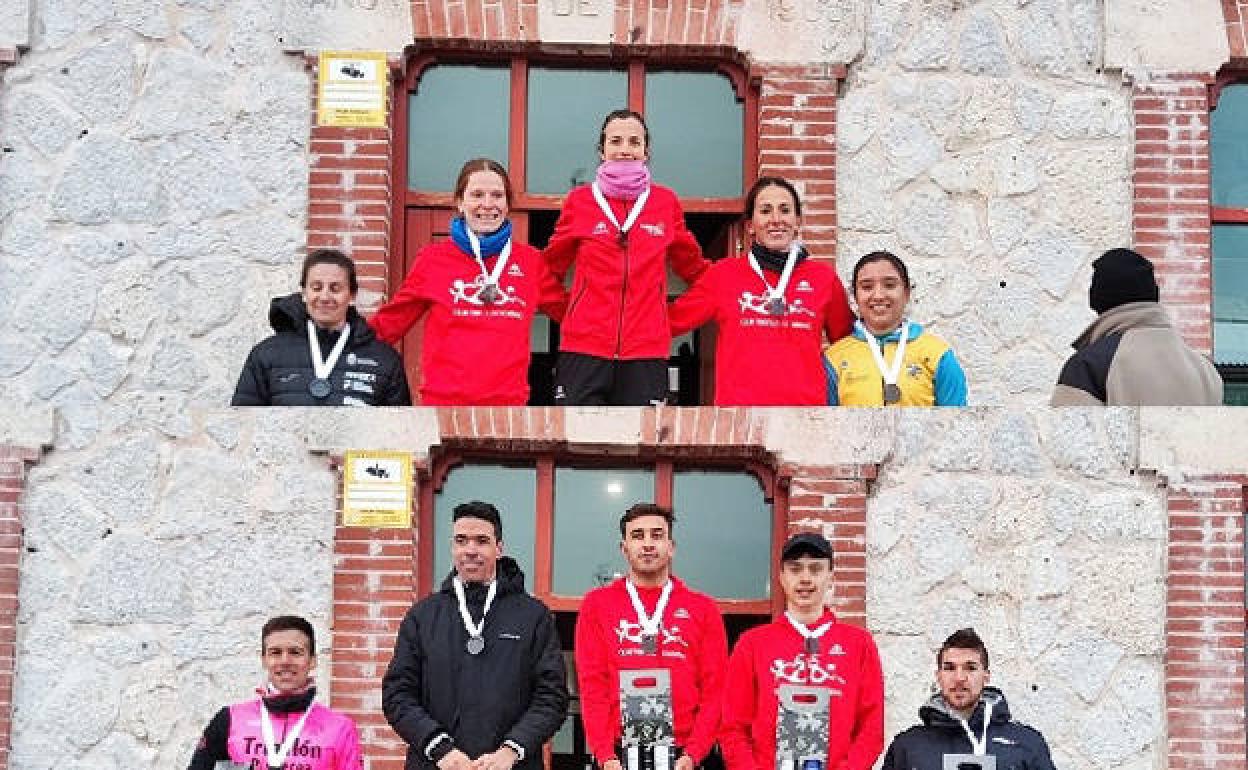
x=512, y=490
x=565, y=110
x=1228, y=130
x=723, y=533
x=457, y=113
x=1230, y=294
x=588, y=506
x=698, y=129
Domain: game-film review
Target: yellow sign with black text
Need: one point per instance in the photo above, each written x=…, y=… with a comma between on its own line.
x=351, y=89
x=377, y=489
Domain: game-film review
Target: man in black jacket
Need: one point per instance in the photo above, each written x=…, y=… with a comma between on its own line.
x=967, y=718
x=322, y=352
x=477, y=679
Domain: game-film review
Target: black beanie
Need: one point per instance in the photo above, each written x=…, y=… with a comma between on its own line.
x=1120, y=276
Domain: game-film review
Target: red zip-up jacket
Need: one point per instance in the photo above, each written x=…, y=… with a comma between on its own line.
x=618, y=306
x=692, y=646
x=761, y=359
x=766, y=657
x=472, y=353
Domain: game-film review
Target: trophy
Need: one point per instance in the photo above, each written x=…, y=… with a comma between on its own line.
x=646, y=717
x=802, y=718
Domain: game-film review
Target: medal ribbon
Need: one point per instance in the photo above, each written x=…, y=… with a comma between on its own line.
x=889, y=373
x=322, y=367
x=277, y=755
x=632, y=214
x=491, y=277
x=979, y=747
x=804, y=629
x=777, y=292
x=649, y=623
x=474, y=629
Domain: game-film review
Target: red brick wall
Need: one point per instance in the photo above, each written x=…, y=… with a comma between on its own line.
x=1236, y=13
x=692, y=22
x=375, y=570
x=834, y=499
x=1170, y=215
x=13, y=462
x=349, y=195
x=1205, y=613
x=797, y=141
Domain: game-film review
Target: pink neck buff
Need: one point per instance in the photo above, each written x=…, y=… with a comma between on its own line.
x=623, y=179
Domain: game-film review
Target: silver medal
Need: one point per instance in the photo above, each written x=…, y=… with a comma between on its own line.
x=892, y=393
x=650, y=644
x=777, y=306
x=319, y=387
x=489, y=294
x=475, y=645
x=812, y=645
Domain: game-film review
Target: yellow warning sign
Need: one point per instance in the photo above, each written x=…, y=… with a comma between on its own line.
x=351, y=89
x=377, y=489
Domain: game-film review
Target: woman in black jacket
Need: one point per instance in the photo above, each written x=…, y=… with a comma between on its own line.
x=322, y=352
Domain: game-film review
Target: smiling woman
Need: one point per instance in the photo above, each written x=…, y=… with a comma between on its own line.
x=478, y=293
x=889, y=360
x=771, y=307
x=322, y=353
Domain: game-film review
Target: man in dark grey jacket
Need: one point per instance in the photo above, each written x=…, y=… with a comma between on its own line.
x=967, y=721
x=1132, y=355
x=477, y=680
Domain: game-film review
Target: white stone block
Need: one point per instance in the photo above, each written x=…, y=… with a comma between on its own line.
x=362, y=25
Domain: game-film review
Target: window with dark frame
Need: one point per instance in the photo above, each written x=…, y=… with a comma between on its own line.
x=1228, y=156
x=561, y=522
x=539, y=113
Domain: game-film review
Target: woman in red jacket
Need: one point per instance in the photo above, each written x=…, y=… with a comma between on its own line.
x=772, y=307
x=479, y=291
x=621, y=232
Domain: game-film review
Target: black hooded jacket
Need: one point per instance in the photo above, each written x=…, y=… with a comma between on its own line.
x=279, y=369
x=515, y=690
x=1015, y=745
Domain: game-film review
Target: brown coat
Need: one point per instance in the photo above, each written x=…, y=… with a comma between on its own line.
x=1131, y=355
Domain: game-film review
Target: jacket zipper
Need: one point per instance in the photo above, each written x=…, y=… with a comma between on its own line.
x=619, y=324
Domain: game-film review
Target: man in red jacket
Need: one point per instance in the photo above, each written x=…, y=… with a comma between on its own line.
x=806, y=654
x=650, y=620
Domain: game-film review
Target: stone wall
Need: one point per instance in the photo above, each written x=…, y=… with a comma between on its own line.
x=1026, y=526
x=144, y=578
x=982, y=142
x=153, y=197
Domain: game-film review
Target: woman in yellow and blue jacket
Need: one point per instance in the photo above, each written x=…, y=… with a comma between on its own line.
x=888, y=360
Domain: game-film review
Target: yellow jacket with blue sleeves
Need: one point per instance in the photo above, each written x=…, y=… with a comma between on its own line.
x=930, y=374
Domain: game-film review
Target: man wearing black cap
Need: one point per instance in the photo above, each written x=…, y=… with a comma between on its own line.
x=805, y=688
x=1132, y=355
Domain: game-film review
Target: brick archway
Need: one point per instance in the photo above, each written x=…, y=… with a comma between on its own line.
x=645, y=22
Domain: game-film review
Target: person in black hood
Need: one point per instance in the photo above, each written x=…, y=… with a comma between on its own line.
x=477, y=680
x=322, y=352
x=967, y=720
